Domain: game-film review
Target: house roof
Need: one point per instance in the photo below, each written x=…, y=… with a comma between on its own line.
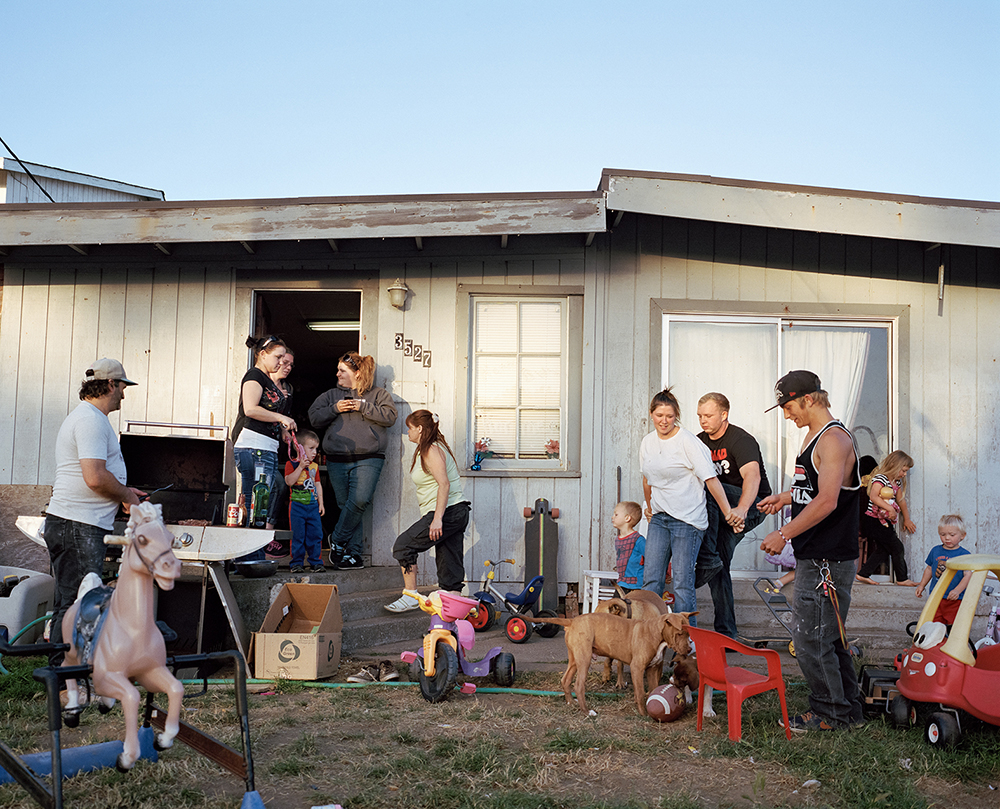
x=799, y=207
x=310, y=218
x=421, y=216
x=14, y=166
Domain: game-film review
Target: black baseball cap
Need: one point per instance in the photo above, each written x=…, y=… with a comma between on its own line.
x=793, y=385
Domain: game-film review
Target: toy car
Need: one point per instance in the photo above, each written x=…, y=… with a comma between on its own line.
x=943, y=678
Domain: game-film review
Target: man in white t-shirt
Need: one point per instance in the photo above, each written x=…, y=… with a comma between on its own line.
x=89, y=486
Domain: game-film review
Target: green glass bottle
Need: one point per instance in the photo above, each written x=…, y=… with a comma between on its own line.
x=258, y=503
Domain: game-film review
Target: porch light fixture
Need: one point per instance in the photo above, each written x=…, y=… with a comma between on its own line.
x=397, y=293
x=334, y=325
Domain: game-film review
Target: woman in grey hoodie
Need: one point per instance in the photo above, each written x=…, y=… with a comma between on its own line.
x=356, y=416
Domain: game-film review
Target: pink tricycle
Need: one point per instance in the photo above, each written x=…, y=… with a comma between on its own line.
x=437, y=664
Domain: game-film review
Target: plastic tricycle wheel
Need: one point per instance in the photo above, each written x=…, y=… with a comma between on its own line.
x=791, y=648
x=546, y=630
x=440, y=686
x=517, y=628
x=503, y=669
x=903, y=712
x=486, y=617
x=942, y=729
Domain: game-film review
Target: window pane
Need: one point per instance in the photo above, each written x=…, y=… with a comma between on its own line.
x=498, y=426
x=539, y=383
x=496, y=326
x=496, y=382
x=536, y=428
x=541, y=327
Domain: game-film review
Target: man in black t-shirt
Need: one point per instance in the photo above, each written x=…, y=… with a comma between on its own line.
x=738, y=462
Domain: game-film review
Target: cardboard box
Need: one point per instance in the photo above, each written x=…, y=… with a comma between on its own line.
x=301, y=634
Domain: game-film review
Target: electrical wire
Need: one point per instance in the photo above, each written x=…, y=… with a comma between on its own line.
x=26, y=170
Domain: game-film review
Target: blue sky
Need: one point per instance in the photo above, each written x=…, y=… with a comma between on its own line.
x=213, y=100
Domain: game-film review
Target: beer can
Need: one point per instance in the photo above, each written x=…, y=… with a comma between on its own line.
x=233, y=515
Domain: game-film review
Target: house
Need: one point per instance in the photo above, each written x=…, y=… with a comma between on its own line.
x=530, y=318
x=23, y=182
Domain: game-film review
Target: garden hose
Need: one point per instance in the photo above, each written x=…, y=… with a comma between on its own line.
x=24, y=629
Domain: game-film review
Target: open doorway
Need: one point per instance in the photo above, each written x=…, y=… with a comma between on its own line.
x=319, y=326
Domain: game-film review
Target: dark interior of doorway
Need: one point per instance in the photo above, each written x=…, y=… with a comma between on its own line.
x=288, y=315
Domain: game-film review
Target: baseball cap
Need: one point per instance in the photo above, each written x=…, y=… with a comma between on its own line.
x=107, y=369
x=793, y=385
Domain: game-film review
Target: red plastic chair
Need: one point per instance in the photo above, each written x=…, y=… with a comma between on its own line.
x=737, y=682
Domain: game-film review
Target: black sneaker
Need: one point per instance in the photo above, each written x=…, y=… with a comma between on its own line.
x=296, y=569
x=317, y=569
x=336, y=552
x=350, y=563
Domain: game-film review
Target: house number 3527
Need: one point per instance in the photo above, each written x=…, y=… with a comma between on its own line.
x=419, y=354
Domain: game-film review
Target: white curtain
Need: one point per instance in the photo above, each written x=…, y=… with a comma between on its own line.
x=741, y=360
x=838, y=355
x=738, y=360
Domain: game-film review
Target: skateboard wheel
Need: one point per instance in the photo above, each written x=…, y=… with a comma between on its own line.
x=555, y=513
x=528, y=511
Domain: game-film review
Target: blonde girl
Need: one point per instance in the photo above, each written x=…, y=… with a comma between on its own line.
x=878, y=523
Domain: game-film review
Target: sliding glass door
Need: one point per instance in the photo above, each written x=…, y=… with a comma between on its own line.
x=743, y=357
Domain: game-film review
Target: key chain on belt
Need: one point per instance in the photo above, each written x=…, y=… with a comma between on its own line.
x=830, y=590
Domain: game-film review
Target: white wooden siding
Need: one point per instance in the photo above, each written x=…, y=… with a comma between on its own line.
x=20, y=189
x=180, y=333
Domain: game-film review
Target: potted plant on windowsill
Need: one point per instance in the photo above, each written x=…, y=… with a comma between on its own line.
x=482, y=453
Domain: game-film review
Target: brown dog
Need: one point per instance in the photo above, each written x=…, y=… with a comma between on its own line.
x=685, y=676
x=638, y=605
x=641, y=644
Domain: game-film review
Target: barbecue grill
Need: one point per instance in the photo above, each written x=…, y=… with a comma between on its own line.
x=198, y=478
x=198, y=469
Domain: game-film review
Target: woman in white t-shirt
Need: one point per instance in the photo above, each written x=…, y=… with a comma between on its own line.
x=676, y=469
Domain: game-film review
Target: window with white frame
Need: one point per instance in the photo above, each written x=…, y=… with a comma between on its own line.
x=518, y=381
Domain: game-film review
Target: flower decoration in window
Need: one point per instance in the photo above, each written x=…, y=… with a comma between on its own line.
x=482, y=453
x=552, y=448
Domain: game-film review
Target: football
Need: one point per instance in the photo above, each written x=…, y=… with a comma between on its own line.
x=665, y=703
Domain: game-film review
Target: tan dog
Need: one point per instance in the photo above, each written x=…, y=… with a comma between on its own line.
x=641, y=644
x=638, y=605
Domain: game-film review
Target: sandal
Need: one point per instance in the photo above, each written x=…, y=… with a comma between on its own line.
x=404, y=603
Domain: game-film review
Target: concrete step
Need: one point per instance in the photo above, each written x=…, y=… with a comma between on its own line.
x=368, y=623
x=378, y=631
x=877, y=618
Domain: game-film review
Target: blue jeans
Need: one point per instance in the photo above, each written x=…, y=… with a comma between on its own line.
x=75, y=549
x=670, y=539
x=716, y=557
x=827, y=666
x=247, y=461
x=353, y=485
x=307, y=533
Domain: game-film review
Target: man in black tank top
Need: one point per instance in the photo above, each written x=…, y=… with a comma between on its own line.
x=824, y=536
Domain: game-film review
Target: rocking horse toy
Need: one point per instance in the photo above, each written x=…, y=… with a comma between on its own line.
x=114, y=631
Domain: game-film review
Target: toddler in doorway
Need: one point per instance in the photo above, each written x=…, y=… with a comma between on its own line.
x=630, y=545
x=951, y=530
x=305, y=506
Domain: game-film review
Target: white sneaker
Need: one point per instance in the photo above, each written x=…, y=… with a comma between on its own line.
x=404, y=603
